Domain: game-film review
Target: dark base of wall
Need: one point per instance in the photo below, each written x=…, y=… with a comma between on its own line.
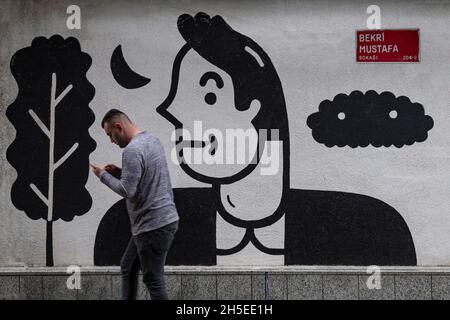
x=211, y=283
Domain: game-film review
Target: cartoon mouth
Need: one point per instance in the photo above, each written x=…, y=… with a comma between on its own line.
x=212, y=142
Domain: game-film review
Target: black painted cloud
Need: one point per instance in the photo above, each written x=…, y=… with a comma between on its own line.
x=361, y=119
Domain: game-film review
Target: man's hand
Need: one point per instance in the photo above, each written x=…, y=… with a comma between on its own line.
x=113, y=170
x=97, y=169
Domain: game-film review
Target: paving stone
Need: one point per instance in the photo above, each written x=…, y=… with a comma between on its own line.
x=55, y=288
x=199, y=287
x=386, y=292
x=277, y=287
x=440, y=287
x=9, y=287
x=304, y=287
x=340, y=287
x=413, y=287
x=31, y=287
x=234, y=287
x=95, y=287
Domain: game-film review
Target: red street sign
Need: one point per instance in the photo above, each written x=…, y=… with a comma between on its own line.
x=387, y=45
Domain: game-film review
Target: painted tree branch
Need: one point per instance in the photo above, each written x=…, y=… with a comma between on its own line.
x=54, y=102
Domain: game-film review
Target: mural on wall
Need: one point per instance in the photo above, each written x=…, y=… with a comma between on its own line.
x=359, y=119
x=51, y=116
x=225, y=80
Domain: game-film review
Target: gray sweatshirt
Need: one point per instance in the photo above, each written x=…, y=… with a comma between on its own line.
x=145, y=183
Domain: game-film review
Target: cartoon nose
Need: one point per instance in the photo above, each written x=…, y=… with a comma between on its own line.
x=162, y=110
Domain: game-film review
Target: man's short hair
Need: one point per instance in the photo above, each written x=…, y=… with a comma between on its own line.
x=113, y=115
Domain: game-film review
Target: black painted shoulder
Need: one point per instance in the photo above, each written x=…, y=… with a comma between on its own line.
x=113, y=235
x=195, y=241
x=337, y=228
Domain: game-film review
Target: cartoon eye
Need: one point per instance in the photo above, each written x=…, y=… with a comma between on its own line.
x=210, y=98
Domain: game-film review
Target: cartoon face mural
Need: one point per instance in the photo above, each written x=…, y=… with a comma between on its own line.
x=238, y=99
x=236, y=83
x=210, y=115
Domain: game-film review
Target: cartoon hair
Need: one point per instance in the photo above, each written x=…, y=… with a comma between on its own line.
x=252, y=72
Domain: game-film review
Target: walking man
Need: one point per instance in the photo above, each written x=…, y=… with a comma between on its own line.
x=144, y=181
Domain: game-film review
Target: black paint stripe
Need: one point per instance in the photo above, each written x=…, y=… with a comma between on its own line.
x=245, y=240
x=211, y=75
x=229, y=201
x=263, y=248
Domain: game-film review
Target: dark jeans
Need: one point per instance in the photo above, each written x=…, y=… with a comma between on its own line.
x=147, y=251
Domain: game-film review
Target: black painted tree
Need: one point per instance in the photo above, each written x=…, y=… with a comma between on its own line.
x=51, y=116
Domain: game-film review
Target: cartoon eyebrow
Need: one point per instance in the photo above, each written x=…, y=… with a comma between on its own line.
x=211, y=75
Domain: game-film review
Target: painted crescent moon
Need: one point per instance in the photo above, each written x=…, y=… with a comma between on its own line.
x=122, y=72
